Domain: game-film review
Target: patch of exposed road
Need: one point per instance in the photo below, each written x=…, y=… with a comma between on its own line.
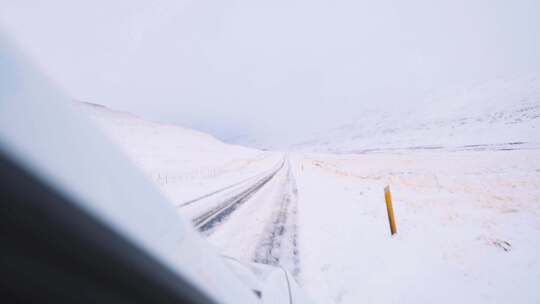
x=207, y=221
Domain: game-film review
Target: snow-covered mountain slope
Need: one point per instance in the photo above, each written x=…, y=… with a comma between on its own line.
x=184, y=163
x=498, y=114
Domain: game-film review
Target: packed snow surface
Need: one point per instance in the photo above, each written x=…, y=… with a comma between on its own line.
x=468, y=220
x=468, y=227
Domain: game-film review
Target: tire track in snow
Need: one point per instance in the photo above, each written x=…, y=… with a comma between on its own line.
x=217, y=215
x=221, y=190
x=279, y=244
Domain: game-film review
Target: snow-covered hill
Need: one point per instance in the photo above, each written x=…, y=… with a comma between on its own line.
x=143, y=135
x=183, y=163
x=498, y=114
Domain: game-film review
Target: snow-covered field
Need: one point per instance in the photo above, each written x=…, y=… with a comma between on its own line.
x=468, y=221
x=468, y=227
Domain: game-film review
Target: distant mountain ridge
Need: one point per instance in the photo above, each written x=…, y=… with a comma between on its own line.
x=499, y=114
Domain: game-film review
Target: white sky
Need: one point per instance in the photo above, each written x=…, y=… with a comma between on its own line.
x=271, y=68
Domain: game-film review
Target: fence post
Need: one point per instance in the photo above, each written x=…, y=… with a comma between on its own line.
x=390, y=210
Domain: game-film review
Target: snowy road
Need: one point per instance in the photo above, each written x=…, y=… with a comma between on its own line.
x=279, y=244
x=254, y=220
x=221, y=212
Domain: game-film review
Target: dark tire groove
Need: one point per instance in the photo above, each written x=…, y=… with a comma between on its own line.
x=214, y=217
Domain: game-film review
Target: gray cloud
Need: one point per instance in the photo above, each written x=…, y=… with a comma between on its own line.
x=271, y=68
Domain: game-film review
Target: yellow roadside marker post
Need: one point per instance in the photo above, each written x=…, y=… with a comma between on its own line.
x=390, y=209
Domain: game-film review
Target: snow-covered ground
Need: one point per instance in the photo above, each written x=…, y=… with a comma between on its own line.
x=468, y=227
x=468, y=221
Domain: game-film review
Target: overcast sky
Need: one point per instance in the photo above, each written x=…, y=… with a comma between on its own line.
x=277, y=67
